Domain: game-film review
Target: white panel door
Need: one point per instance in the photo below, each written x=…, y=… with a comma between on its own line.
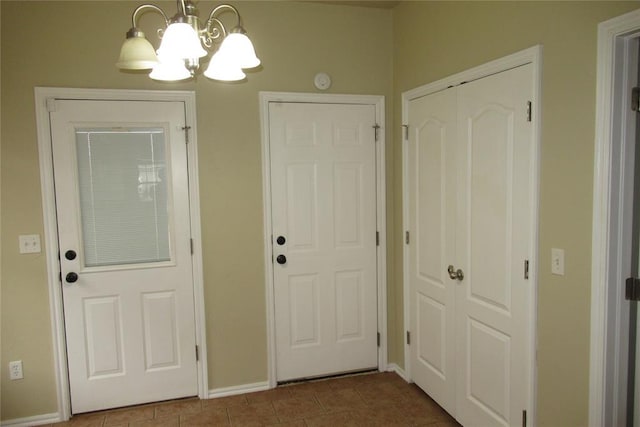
x=493, y=235
x=432, y=206
x=470, y=161
x=124, y=234
x=324, y=242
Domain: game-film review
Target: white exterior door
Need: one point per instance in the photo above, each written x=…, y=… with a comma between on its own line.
x=323, y=193
x=470, y=209
x=120, y=171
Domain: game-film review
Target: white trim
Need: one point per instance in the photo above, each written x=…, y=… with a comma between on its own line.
x=532, y=56
x=526, y=56
x=36, y=420
x=378, y=102
x=238, y=389
x=42, y=94
x=406, y=292
x=606, y=310
x=395, y=368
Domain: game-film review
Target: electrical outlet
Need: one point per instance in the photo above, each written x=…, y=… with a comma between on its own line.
x=557, y=261
x=15, y=370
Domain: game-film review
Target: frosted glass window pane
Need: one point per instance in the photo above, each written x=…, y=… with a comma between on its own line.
x=123, y=195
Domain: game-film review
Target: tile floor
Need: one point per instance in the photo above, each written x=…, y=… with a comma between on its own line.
x=375, y=399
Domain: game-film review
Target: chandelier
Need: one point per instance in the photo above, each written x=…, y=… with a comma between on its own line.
x=185, y=42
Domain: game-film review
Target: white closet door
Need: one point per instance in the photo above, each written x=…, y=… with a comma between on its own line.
x=493, y=236
x=432, y=206
x=470, y=159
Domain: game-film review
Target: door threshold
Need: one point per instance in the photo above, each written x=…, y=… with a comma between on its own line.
x=326, y=377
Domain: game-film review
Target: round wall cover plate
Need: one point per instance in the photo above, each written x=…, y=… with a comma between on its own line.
x=322, y=81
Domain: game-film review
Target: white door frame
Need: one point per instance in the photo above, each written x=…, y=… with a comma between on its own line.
x=42, y=97
x=381, y=258
x=610, y=256
x=532, y=56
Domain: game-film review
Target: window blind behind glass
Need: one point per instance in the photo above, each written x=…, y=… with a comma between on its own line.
x=123, y=196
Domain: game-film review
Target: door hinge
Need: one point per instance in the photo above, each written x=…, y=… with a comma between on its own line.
x=406, y=237
x=191, y=245
x=632, y=289
x=197, y=354
x=378, y=338
x=524, y=418
x=405, y=129
x=635, y=99
x=52, y=105
x=408, y=338
x=376, y=128
x=526, y=269
x=529, y=111
x=377, y=238
x=186, y=130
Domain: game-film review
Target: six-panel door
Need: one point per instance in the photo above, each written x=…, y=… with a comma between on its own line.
x=324, y=206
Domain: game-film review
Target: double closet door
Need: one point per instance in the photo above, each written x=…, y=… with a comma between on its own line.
x=471, y=213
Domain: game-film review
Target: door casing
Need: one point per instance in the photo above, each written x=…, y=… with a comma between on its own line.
x=532, y=56
x=378, y=102
x=42, y=97
x=618, y=40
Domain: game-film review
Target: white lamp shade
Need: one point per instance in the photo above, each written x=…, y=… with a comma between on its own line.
x=239, y=45
x=137, y=54
x=180, y=40
x=170, y=70
x=223, y=67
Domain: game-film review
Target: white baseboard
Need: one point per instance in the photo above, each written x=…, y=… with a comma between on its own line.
x=36, y=420
x=238, y=389
x=392, y=367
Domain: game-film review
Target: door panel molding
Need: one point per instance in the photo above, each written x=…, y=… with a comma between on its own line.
x=531, y=56
x=45, y=100
x=290, y=97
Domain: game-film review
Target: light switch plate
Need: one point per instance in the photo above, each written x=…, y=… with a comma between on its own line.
x=29, y=243
x=557, y=261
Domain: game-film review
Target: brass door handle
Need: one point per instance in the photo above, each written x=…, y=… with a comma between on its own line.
x=455, y=274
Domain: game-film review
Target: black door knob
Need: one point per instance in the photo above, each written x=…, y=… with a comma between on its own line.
x=281, y=259
x=281, y=240
x=70, y=255
x=71, y=277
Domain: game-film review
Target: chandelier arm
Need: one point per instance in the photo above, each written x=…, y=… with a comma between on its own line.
x=134, y=16
x=221, y=7
x=211, y=32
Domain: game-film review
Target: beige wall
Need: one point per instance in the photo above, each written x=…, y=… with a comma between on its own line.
x=75, y=44
x=367, y=51
x=435, y=39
